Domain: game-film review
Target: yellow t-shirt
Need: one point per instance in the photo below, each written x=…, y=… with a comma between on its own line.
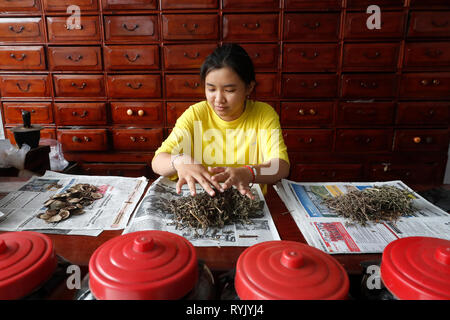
x=254, y=138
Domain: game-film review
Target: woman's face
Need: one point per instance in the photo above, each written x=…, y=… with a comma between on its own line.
x=226, y=93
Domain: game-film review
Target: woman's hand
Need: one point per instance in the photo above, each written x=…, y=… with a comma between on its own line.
x=239, y=177
x=189, y=172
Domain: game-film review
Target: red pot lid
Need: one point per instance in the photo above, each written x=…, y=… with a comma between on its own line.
x=417, y=268
x=27, y=259
x=289, y=270
x=143, y=265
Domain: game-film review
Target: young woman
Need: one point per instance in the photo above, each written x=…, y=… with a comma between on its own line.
x=227, y=140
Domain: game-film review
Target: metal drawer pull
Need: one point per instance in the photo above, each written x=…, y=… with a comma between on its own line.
x=73, y=26
x=364, y=84
x=75, y=59
x=83, y=85
x=315, y=55
x=425, y=82
x=84, y=114
x=195, y=56
x=129, y=112
x=22, y=56
x=301, y=112
x=436, y=82
x=305, y=85
x=433, y=53
x=141, y=113
x=195, y=26
x=143, y=139
x=439, y=25
x=194, y=86
x=139, y=85
x=132, y=138
x=417, y=139
x=76, y=139
x=375, y=56
x=251, y=26
x=312, y=27
x=23, y=90
x=125, y=26
x=310, y=140
x=312, y=112
x=130, y=59
x=87, y=139
x=32, y=110
x=21, y=28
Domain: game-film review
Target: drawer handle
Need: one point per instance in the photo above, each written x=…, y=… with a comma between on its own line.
x=83, y=85
x=132, y=138
x=310, y=140
x=304, y=55
x=73, y=26
x=84, y=114
x=431, y=113
x=301, y=112
x=363, y=140
x=312, y=26
x=129, y=112
x=139, y=85
x=32, y=110
x=436, y=82
x=439, y=25
x=375, y=56
x=192, y=30
x=143, y=139
x=23, y=90
x=141, y=113
x=22, y=56
x=433, y=53
x=75, y=59
x=87, y=139
x=76, y=139
x=132, y=59
x=425, y=82
x=21, y=28
x=195, y=56
x=366, y=85
x=312, y=112
x=305, y=85
x=417, y=139
x=194, y=86
x=251, y=26
x=125, y=26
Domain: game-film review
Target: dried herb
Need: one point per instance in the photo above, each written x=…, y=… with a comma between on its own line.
x=375, y=204
x=203, y=211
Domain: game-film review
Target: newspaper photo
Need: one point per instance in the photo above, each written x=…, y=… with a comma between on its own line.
x=20, y=209
x=334, y=234
x=151, y=215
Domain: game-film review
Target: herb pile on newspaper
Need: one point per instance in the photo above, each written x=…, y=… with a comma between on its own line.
x=203, y=211
x=376, y=204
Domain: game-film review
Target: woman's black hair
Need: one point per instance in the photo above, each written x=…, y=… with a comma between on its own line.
x=229, y=55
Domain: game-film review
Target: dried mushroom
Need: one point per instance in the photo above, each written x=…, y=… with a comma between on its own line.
x=71, y=202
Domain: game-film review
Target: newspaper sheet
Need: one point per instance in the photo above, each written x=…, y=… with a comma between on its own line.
x=20, y=209
x=327, y=231
x=151, y=216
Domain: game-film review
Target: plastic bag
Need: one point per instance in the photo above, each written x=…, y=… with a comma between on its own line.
x=57, y=161
x=12, y=156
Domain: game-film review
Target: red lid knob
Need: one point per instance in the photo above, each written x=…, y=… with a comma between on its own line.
x=143, y=265
x=417, y=268
x=292, y=259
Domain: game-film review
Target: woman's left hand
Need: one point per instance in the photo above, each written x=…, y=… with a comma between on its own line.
x=239, y=177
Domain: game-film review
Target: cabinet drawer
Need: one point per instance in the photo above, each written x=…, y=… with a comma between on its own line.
x=75, y=58
x=263, y=57
x=59, y=31
x=174, y=110
x=25, y=86
x=421, y=140
x=137, y=139
x=22, y=58
x=427, y=54
x=370, y=56
x=143, y=113
x=355, y=113
x=311, y=26
x=190, y=26
x=313, y=4
x=429, y=24
x=355, y=27
x=306, y=113
x=83, y=139
x=131, y=28
x=86, y=113
x=309, y=85
x=137, y=57
x=383, y=4
x=115, y=169
x=371, y=140
x=79, y=85
x=369, y=85
x=267, y=85
x=327, y=172
x=20, y=5
x=308, y=140
x=129, y=4
x=183, y=86
x=61, y=5
x=310, y=57
x=408, y=173
x=46, y=133
x=189, y=4
x=423, y=113
x=41, y=112
x=263, y=27
x=425, y=85
x=134, y=86
x=250, y=4
x=186, y=56
x=21, y=30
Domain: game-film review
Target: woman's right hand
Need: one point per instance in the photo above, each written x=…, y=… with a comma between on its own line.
x=189, y=172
